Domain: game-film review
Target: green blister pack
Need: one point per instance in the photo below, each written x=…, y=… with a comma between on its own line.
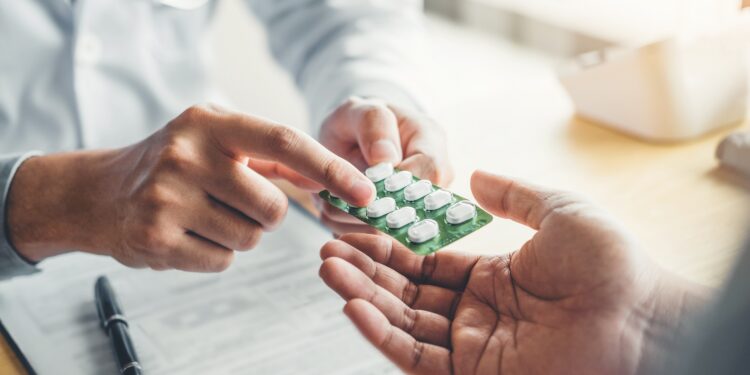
x=422, y=216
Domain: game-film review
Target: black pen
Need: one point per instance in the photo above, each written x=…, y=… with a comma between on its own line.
x=115, y=325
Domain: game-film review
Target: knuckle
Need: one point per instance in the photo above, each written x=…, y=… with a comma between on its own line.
x=351, y=102
x=417, y=352
x=153, y=197
x=375, y=114
x=152, y=239
x=128, y=258
x=349, y=238
x=333, y=170
x=410, y=294
x=409, y=320
x=175, y=156
x=561, y=203
x=274, y=209
x=284, y=138
x=427, y=164
x=328, y=250
x=431, y=160
x=221, y=262
x=195, y=113
x=429, y=265
x=251, y=239
x=158, y=266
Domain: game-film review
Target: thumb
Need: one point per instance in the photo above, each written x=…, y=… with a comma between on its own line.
x=377, y=132
x=524, y=203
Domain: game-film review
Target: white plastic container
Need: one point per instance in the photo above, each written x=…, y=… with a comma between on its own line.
x=671, y=90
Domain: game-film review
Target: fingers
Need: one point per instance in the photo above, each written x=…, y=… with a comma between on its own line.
x=423, y=167
x=270, y=169
x=366, y=127
x=195, y=254
x=341, y=223
x=377, y=131
x=255, y=137
x=337, y=215
x=409, y=354
x=340, y=229
x=225, y=226
x=425, y=150
x=521, y=202
x=349, y=282
x=248, y=192
x=431, y=298
x=446, y=269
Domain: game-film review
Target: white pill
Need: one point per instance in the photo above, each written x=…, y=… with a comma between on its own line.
x=381, y=207
x=417, y=190
x=398, y=181
x=401, y=217
x=423, y=231
x=437, y=200
x=460, y=212
x=379, y=172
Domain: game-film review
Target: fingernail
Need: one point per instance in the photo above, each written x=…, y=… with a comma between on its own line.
x=384, y=151
x=363, y=190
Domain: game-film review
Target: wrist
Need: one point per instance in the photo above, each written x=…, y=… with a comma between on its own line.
x=52, y=205
x=668, y=312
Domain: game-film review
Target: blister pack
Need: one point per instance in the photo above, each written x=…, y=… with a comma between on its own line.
x=422, y=216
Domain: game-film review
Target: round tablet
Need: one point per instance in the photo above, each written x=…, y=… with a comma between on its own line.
x=417, y=190
x=381, y=207
x=423, y=231
x=401, y=217
x=437, y=200
x=379, y=172
x=460, y=212
x=398, y=181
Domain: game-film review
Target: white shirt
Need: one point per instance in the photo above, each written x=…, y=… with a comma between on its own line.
x=106, y=73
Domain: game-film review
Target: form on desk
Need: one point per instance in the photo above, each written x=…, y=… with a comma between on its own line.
x=267, y=314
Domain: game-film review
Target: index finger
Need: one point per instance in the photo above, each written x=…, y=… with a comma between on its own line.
x=252, y=136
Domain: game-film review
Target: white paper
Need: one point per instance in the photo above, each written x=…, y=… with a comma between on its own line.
x=269, y=313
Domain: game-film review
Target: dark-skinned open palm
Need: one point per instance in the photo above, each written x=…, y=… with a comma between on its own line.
x=577, y=298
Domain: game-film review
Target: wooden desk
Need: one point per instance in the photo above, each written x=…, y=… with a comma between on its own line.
x=506, y=113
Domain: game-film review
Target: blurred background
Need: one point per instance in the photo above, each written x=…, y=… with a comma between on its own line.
x=490, y=69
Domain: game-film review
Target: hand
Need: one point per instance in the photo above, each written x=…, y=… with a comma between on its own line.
x=367, y=132
x=575, y=299
x=183, y=198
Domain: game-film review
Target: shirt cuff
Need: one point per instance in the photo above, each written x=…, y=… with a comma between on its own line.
x=11, y=263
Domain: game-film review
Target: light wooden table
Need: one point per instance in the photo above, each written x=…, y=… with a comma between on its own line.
x=506, y=113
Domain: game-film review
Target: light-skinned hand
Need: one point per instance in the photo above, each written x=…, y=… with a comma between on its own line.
x=369, y=131
x=183, y=198
x=577, y=298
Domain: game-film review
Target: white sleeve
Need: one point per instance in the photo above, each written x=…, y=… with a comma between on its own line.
x=338, y=48
x=11, y=263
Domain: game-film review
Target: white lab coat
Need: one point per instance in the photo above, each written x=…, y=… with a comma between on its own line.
x=106, y=73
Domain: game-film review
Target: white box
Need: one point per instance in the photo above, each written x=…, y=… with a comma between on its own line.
x=671, y=90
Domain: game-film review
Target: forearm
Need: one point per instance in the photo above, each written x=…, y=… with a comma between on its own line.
x=51, y=205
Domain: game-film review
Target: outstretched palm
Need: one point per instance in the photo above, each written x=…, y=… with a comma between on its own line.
x=575, y=299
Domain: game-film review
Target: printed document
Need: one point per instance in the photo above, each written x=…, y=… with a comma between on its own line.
x=269, y=313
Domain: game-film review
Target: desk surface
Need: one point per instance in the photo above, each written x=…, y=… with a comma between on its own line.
x=505, y=112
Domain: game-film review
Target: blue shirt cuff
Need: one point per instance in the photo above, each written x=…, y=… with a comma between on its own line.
x=11, y=263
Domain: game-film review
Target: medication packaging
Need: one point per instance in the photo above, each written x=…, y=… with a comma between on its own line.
x=420, y=215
